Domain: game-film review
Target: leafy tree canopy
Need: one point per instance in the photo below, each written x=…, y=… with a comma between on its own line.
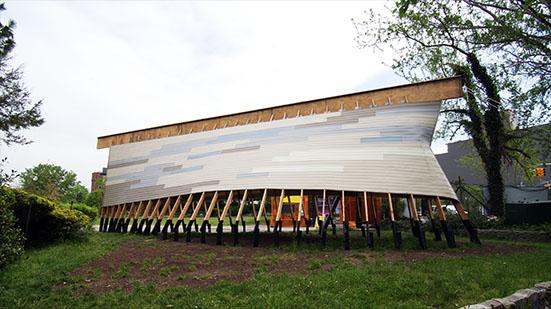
x=54, y=182
x=95, y=198
x=501, y=48
x=511, y=38
x=17, y=111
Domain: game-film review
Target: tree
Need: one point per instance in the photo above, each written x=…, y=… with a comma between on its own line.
x=54, y=182
x=17, y=111
x=502, y=50
x=77, y=193
x=95, y=198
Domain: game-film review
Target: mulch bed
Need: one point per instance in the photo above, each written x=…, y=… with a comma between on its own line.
x=168, y=263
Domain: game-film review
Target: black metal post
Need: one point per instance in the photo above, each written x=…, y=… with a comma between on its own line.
x=156, y=227
x=148, y=224
x=188, y=230
x=397, y=235
x=219, y=231
x=204, y=231
x=235, y=232
x=165, y=229
x=256, y=233
x=448, y=233
x=176, y=229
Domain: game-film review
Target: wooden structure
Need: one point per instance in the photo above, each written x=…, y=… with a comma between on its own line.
x=349, y=154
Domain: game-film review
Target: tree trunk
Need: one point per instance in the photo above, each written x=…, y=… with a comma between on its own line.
x=495, y=133
x=495, y=186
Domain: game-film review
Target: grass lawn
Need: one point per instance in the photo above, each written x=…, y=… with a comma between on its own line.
x=411, y=278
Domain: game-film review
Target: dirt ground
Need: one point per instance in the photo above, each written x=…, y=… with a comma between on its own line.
x=168, y=263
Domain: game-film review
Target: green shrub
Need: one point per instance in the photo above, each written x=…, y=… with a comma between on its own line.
x=91, y=212
x=94, y=199
x=67, y=223
x=11, y=239
x=42, y=219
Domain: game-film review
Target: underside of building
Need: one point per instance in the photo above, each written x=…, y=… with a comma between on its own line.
x=345, y=160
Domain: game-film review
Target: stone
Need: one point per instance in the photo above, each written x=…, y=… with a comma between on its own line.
x=544, y=285
x=526, y=298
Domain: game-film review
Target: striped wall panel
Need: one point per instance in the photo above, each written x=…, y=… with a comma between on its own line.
x=381, y=149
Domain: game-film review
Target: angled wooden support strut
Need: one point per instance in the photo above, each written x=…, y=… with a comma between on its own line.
x=180, y=220
x=144, y=217
x=208, y=223
x=222, y=216
x=277, y=226
x=220, y=227
x=101, y=218
x=299, y=217
x=112, y=213
x=396, y=234
x=137, y=213
x=238, y=217
x=261, y=210
x=418, y=228
x=473, y=233
x=427, y=202
x=323, y=204
x=160, y=217
x=129, y=216
x=121, y=219
x=448, y=232
x=192, y=219
x=118, y=213
x=207, y=217
x=152, y=217
x=107, y=218
x=115, y=222
x=169, y=223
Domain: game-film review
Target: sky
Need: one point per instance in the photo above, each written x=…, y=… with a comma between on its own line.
x=107, y=67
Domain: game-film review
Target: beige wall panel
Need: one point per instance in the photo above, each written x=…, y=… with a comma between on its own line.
x=382, y=149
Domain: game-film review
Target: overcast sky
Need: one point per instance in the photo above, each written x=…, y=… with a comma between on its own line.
x=108, y=67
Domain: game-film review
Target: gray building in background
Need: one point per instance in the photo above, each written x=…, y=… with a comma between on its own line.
x=516, y=191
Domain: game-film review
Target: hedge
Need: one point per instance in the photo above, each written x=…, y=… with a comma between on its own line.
x=11, y=239
x=91, y=212
x=42, y=219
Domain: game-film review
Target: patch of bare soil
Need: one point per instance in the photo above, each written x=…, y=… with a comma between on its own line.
x=168, y=263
